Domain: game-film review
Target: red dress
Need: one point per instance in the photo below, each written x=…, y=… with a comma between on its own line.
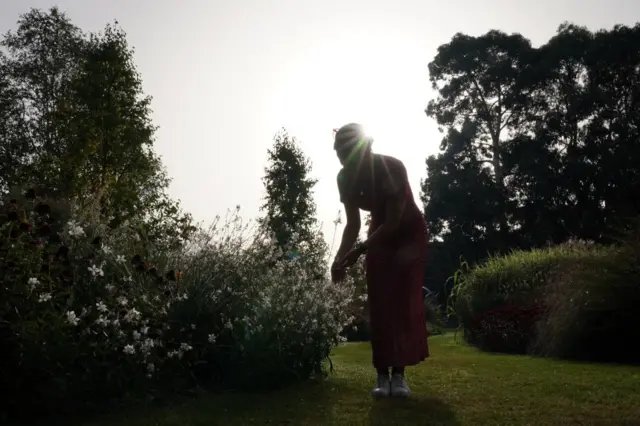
x=394, y=267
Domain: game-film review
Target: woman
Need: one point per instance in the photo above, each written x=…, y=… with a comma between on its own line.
x=395, y=250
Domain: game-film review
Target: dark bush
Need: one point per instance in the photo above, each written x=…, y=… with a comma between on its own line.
x=576, y=300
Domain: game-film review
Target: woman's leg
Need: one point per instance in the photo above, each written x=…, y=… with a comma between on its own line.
x=398, y=370
x=383, y=371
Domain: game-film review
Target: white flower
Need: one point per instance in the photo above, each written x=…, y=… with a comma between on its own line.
x=129, y=350
x=72, y=318
x=151, y=368
x=122, y=301
x=95, y=271
x=228, y=325
x=136, y=335
x=185, y=347
x=101, y=307
x=193, y=326
x=106, y=249
x=44, y=297
x=110, y=287
x=147, y=345
x=132, y=315
x=212, y=338
x=127, y=279
x=144, y=330
x=120, y=258
x=75, y=230
x=102, y=321
x=33, y=282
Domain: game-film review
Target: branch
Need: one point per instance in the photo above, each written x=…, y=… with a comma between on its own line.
x=484, y=102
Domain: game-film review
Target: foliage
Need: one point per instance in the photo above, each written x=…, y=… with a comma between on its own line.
x=290, y=212
x=506, y=328
x=576, y=300
x=283, y=316
x=516, y=278
x=591, y=306
x=359, y=309
x=79, y=321
x=76, y=124
x=539, y=145
x=80, y=324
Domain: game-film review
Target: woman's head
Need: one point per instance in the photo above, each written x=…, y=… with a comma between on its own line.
x=351, y=143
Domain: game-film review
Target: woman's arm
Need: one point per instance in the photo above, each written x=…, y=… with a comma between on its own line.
x=394, y=211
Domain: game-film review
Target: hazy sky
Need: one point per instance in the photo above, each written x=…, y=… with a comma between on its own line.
x=226, y=75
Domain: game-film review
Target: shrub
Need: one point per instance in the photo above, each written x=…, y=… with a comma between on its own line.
x=506, y=328
x=433, y=314
x=77, y=321
x=591, y=308
x=359, y=330
x=80, y=324
x=274, y=319
x=508, y=293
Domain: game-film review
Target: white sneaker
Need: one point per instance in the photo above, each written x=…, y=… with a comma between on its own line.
x=399, y=386
x=382, y=388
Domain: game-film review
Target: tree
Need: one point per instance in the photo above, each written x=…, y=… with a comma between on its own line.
x=289, y=209
x=43, y=56
x=541, y=144
x=79, y=126
x=481, y=94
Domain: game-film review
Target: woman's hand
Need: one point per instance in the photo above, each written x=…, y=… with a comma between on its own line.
x=351, y=257
x=337, y=273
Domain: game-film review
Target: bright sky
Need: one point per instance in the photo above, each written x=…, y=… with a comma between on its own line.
x=227, y=75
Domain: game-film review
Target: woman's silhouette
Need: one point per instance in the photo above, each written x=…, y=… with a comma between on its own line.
x=395, y=250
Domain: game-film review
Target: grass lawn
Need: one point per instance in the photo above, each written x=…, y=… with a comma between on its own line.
x=457, y=386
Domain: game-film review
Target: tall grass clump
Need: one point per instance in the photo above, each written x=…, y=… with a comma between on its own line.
x=514, y=303
x=83, y=325
x=591, y=306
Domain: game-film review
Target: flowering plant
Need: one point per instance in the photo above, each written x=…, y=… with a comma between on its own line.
x=82, y=322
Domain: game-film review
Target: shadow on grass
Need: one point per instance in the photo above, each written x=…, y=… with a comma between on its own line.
x=412, y=411
x=329, y=402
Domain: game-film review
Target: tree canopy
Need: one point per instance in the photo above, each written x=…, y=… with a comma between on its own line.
x=540, y=144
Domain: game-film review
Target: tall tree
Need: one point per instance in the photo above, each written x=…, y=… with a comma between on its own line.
x=480, y=93
x=540, y=142
x=612, y=140
x=43, y=57
x=76, y=102
x=289, y=208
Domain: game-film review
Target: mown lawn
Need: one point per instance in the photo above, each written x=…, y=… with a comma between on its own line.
x=457, y=386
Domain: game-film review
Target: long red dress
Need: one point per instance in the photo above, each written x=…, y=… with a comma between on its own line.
x=394, y=269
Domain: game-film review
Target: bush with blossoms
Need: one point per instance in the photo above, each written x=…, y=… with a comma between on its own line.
x=271, y=311
x=82, y=324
